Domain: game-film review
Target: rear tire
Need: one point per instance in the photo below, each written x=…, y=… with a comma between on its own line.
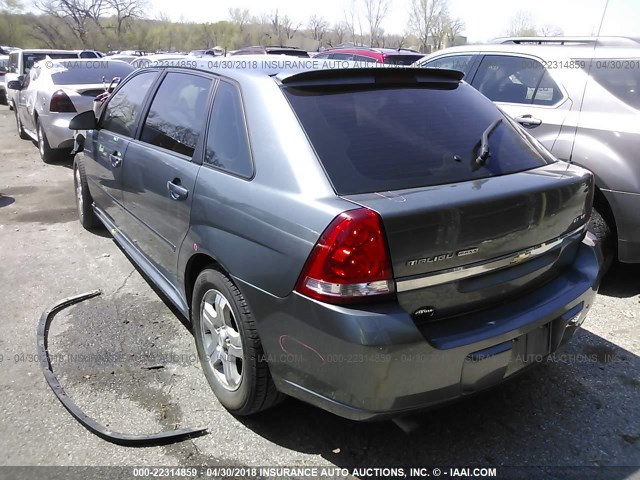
x=604, y=234
x=47, y=154
x=229, y=347
x=86, y=215
x=21, y=133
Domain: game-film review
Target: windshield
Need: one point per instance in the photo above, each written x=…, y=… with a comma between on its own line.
x=378, y=139
x=83, y=74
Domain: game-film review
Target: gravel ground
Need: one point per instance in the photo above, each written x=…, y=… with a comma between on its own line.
x=580, y=409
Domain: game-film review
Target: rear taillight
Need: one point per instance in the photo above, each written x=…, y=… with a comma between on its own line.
x=350, y=260
x=60, y=102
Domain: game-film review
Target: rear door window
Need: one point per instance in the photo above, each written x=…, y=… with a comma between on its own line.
x=120, y=114
x=515, y=79
x=176, y=117
x=373, y=139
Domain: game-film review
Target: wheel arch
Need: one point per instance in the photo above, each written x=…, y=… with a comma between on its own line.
x=195, y=265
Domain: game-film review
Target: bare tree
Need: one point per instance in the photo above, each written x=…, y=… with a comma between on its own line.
x=76, y=13
x=319, y=27
x=551, y=31
x=240, y=17
x=289, y=28
x=423, y=16
x=521, y=25
x=375, y=12
x=45, y=30
x=124, y=11
x=454, y=28
x=439, y=30
x=339, y=31
x=353, y=22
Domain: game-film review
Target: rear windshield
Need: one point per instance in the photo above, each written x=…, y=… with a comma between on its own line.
x=401, y=59
x=29, y=59
x=91, y=72
x=380, y=139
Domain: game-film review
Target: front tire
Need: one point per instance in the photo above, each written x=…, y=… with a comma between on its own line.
x=229, y=347
x=603, y=232
x=86, y=215
x=21, y=133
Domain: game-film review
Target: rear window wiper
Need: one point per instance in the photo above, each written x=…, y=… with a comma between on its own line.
x=485, y=152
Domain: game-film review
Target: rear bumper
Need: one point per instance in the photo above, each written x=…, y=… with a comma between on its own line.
x=625, y=208
x=376, y=363
x=56, y=128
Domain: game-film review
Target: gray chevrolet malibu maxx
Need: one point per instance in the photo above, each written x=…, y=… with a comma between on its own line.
x=370, y=241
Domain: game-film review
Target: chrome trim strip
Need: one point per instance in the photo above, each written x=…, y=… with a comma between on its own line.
x=459, y=273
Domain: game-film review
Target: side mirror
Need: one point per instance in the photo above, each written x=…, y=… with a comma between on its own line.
x=83, y=121
x=14, y=85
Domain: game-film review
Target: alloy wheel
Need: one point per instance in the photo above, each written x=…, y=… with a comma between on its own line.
x=221, y=340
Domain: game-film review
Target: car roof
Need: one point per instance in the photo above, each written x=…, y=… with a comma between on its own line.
x=382, y=51
x=545, y=50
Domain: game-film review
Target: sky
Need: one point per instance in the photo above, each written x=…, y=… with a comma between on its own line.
x=484, y=19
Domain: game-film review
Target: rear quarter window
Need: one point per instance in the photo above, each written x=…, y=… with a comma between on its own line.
x=620, y=77
x=372, y=139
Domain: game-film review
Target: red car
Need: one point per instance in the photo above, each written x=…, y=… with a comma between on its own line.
x=390, y=56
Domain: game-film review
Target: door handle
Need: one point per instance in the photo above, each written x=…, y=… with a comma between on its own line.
x=528, y=121
x=176, y=192
x=116, y=161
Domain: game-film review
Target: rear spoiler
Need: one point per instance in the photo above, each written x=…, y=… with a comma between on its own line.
x=355, y=76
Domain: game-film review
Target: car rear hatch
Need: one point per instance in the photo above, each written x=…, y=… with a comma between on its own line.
x=463, y=232
x=460, y=247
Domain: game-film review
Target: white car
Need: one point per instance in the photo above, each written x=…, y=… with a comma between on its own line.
x=4, y=62
x=54, y=92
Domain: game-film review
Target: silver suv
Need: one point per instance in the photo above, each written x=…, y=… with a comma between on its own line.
x=580, y=97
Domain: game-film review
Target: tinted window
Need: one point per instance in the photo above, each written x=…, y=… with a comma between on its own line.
x=341, y=56
x=401, y=59
x=13, y=62
x=513, y=79
x=4, y=63
x=362, y=58
x=293, y=53
x=620, y=77
x=177, y=113
x=454, y=62
x=120, y=113
x=28, y=59
x=97, y=71
x=375, y=139
x=547, y=91
x=227, y=140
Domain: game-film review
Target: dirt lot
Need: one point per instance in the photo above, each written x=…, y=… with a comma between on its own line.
x=580, y=409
